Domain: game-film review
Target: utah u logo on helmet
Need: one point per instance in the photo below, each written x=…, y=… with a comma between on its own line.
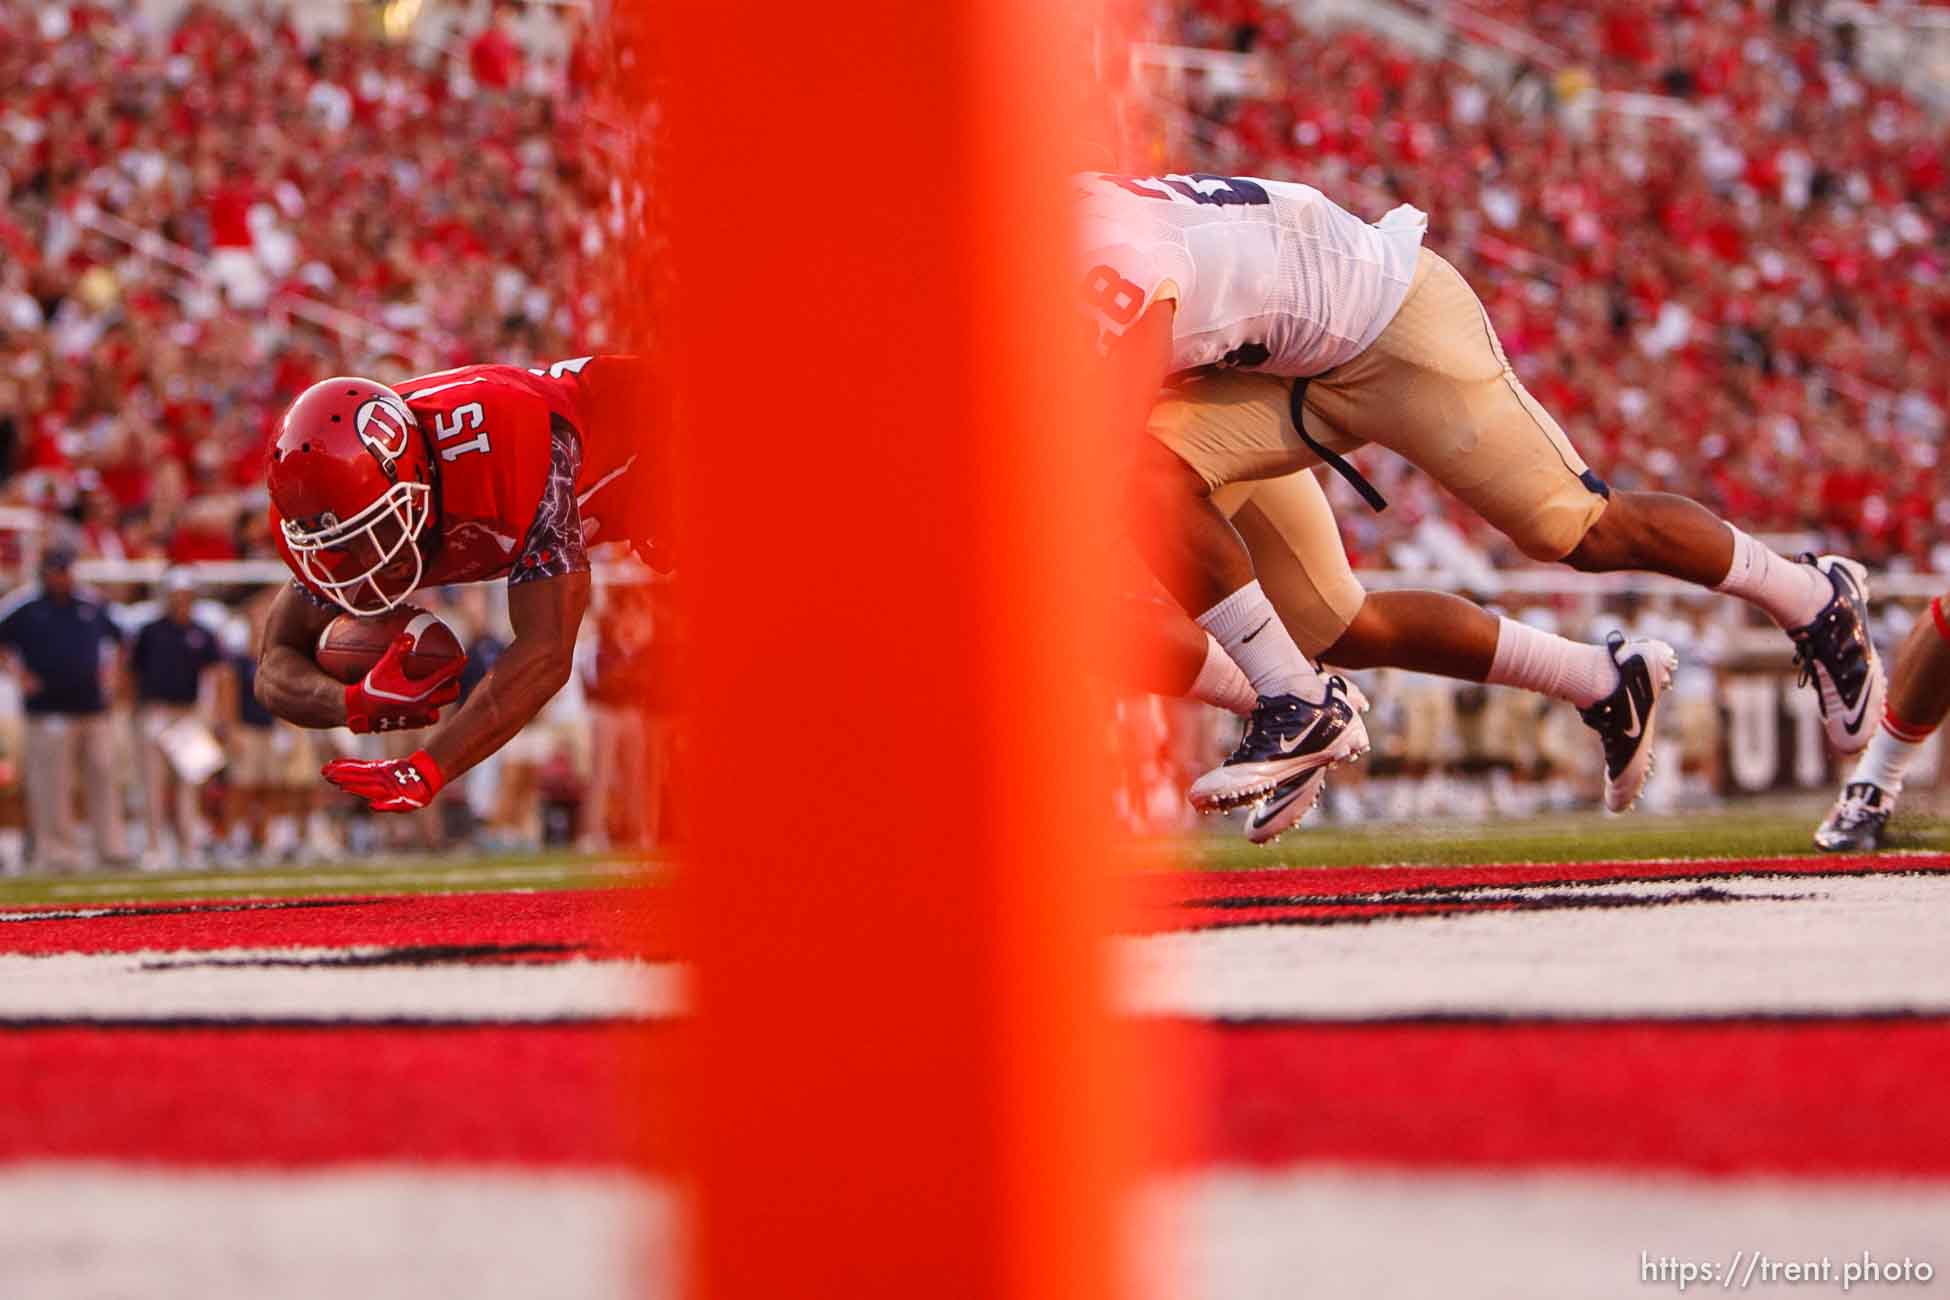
x=386, y=426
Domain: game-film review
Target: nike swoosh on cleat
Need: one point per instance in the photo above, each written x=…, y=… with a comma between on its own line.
x=1854, y=724
x=1268, y=811
x=1255, y=632
x=1289, y=744
x=1632, y=732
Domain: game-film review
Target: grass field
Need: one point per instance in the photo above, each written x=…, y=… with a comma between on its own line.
x=1766, y=828
x=382, y=876
x=1774, y=827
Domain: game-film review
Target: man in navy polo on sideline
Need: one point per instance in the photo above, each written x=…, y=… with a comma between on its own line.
x=171, y=655
x=65, y=648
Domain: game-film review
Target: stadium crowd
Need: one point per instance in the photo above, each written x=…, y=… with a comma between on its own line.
x=1733, y=281
x=1713, y=248
x=199, y=219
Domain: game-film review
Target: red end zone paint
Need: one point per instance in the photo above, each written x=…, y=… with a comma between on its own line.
x=1195, y=900
x=592, y=922
x=523, y=1095
x=1189, y=886
x=1809, y=1099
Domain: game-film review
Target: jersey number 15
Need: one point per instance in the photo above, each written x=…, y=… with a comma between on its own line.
x=465, y=419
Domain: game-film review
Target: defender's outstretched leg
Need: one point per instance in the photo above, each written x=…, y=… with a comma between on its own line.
x=1822, y=603
x=1919, y=699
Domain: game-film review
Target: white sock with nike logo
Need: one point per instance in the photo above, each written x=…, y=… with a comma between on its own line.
x=1551, y=665
x=1790, y=593
x=1251, y=632
x=1220, y=682
x=1891, y=750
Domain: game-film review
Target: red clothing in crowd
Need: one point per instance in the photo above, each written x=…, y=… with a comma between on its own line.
x=494, y=58
x=229, y=208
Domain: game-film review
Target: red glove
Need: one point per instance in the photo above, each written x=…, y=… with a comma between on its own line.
x=388, y=700
x=390, y=785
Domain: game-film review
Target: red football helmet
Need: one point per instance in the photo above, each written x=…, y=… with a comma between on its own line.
x=352, y=481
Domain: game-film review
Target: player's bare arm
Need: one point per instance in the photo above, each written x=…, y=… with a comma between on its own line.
x=545, y=615
x=289, y=681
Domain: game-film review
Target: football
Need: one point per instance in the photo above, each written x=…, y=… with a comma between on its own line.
x=349, y=646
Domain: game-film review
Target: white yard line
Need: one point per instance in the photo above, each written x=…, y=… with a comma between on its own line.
x=84, y=1231
x=1534, y=1236
x=1840, y=944
x=91, y=1231
x=230, y=984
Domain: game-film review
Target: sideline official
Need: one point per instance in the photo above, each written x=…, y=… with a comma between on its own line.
x=65, y=646
x=170, y=657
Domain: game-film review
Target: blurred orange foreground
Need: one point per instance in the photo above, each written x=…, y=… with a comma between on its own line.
x=904, y=1077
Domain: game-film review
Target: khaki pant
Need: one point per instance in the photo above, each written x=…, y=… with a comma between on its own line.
x=167, y=802
x=627, y=760
x=1435, y=388
x=1297, y=555
x=55, y=744
x=253, y=758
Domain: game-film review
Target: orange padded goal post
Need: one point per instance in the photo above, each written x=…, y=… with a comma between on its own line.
x=902, y=1076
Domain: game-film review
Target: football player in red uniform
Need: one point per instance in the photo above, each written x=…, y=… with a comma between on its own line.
x=460, y=476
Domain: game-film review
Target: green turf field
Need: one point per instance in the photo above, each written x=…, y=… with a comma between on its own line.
x=429, y=875
x=1769, y=828
x=1761, y=828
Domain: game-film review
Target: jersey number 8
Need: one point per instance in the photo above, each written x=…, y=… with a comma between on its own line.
x=1110, y=293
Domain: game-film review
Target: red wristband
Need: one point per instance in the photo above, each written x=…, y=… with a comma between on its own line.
x=1942, y=624
x=429, y=771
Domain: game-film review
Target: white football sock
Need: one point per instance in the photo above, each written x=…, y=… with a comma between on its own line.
x=1790, y=593
x=1891, y=750
x=1252, y=634
x=1220, y=682
x=1550, y=665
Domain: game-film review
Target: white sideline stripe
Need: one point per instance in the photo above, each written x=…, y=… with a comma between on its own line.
x=174, y=986
x=92, y=1231
x=58, y=914
x=1844, y=944
x=1353, y=1235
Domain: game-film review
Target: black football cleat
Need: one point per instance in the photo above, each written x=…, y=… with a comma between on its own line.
x=1295, y=797
x=1624, y=719
x=1856, y=822
x=1291, y=800
x=1285, y=736
x=1834, y=652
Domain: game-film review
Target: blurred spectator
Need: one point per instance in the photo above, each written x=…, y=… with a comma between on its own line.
x=494, y=57
x=1737, y=288
x=624, y=801
x=169, y=660
x=254, y=794
x=65, y=648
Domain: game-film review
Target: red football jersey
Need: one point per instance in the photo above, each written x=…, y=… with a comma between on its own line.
x=534, y=466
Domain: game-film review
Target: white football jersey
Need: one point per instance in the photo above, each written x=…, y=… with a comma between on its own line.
x=1268, y=275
